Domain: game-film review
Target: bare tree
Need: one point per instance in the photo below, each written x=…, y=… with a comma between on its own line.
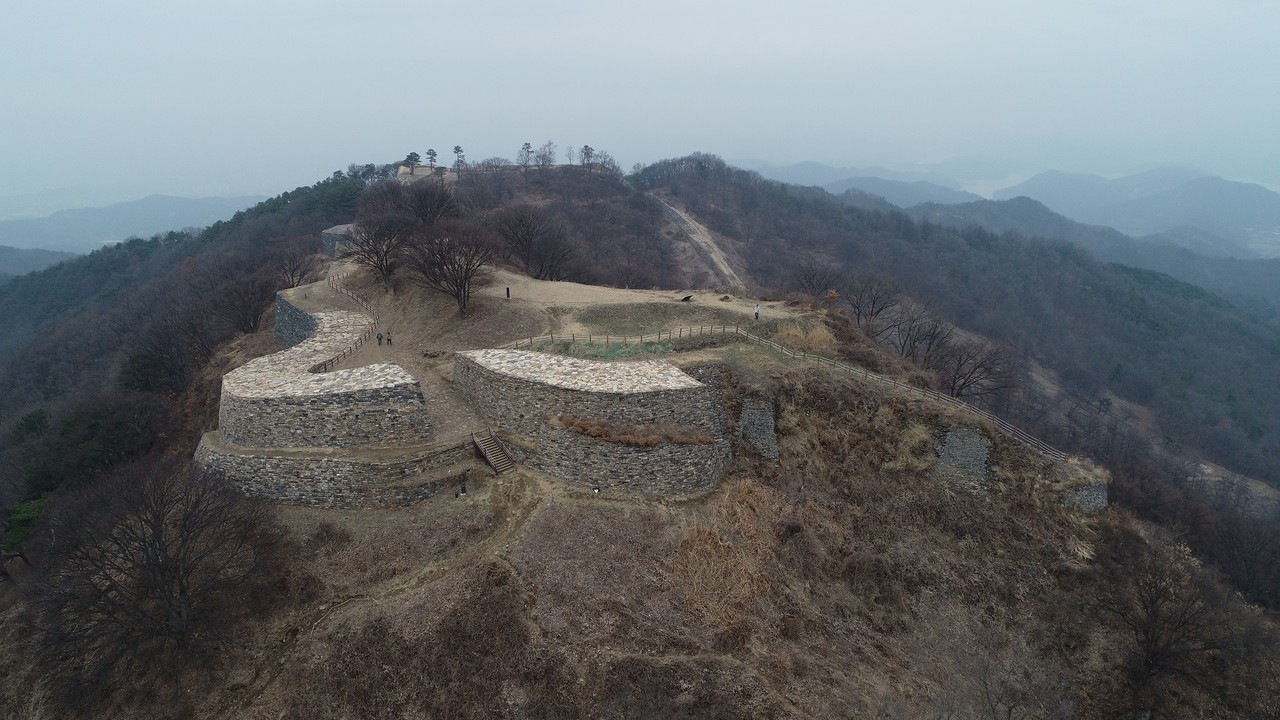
x=1179, y=626
x=869, y=299
x=973, y=368
x=915, y=333
x=588, y=156
x=142, y=569
x=376, y=243
x=296, y=265
x=815, y=278
x=382, y=198
x=605, y=163
x=429, y=203
x=545, y=156
x=571, y=155
x=243, y=301
x=494, y=165
x=535, y=239
x=450, y=258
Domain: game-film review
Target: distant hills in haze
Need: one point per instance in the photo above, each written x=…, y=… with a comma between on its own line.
x=1178, y=206
x=20, y=261
x=87, y=229
x=1183, y=206
x=1243, y=281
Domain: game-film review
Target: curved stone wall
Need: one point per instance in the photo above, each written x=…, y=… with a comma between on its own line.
x=277, y=402
x=519, y=392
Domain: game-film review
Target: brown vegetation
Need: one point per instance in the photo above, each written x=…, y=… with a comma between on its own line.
x=640, y=434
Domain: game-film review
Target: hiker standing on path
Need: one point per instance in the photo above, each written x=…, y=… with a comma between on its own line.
x=388, y=339
x=757, y=311
x=380, y=338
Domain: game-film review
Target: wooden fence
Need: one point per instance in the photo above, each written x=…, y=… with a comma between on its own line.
x=370, y=329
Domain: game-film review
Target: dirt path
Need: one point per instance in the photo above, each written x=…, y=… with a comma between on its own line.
x=703, y=241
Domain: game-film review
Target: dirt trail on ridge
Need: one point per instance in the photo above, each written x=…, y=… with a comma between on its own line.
x=703, y=241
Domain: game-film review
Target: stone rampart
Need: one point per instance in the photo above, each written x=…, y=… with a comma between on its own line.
x=521, y=393
x=333, y=239
x=664, y=469
x=1089, y=499
x=756, y=426
x=293, y=324
x=517, y=390
x=336, y=480
x=276, y=401
x=963, y=460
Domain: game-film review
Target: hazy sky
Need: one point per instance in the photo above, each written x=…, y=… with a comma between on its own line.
x=131, y=97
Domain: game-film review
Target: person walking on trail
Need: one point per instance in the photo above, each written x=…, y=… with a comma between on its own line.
x=757, y=311
x=379, y=338
x=388, y=339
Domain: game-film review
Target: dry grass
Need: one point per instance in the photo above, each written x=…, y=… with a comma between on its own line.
x=814, y=338
x=640, y=435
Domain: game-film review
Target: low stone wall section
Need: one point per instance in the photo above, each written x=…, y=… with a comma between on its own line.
x=962, y=460
x=293, y=324
x=335, y=480
x=1089, y=499
x=664, y=469
x=519, y=392
x=333, y=239
x=756, y=426
x=521, y=403
x=276, y=401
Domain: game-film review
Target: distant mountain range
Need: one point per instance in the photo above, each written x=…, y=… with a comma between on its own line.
x=84, y=230
x=1209, y=214
x=815, y=173
x=1245, y=282
x=904, y=194
x=20, y=261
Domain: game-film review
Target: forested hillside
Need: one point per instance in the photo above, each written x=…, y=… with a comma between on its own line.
x=1253, y=285
x=842, y=579
x=1204, y=366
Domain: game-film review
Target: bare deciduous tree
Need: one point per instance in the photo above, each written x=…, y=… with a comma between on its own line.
x=144, y=568
x=869, y=299
x=429, y=203
x=815, y=278
x=973, y=368
x=535, y=239
x=376, y=242
x=450, y=258
x=296, y=265
x=1180, y=627
x=545, y=157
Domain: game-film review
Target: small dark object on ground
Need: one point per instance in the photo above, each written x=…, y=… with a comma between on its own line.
x=687, y=298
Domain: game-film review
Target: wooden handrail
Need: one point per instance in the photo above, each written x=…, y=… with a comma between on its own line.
x=327, y=365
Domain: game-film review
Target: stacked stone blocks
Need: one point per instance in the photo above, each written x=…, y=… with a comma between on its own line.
x=521, y=393
x=287, y=433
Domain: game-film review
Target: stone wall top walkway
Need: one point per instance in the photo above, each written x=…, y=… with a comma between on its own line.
x=288, y=373
x=639, y=376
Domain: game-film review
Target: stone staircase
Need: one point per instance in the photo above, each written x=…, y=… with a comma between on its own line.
x=493, y=452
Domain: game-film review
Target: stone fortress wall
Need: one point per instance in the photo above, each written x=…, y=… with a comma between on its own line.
x=333, y=239
x=346, y=438
x=276, y=401
x=521, y=393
